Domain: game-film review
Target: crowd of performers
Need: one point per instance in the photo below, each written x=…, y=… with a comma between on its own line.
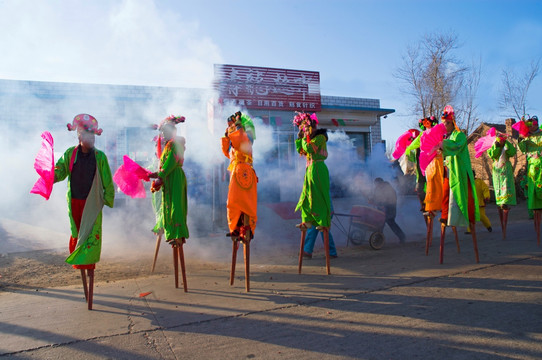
x=446, y=183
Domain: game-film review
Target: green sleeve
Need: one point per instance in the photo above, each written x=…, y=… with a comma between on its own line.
x=452, y=147
x=411, y=149
x=62, y=167
x=526, y=145
x=510, y=149
x=107, y=180
x=299, y=145
x=494, y=151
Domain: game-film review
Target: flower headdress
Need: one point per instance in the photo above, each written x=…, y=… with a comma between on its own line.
x=433, y=120
x=85, y=122
x=302, y=120
x=171, y=120
x=448, y=115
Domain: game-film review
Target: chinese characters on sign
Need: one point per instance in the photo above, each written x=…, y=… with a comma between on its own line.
x=268, y=88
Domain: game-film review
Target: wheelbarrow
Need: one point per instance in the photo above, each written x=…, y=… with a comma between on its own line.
x=363, y=220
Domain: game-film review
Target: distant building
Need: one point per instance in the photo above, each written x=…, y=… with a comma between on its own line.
x=128, y=111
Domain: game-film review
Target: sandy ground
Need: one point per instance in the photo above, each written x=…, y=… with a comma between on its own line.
x=32, y=264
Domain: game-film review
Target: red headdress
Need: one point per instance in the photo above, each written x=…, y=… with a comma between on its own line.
x=85, y=122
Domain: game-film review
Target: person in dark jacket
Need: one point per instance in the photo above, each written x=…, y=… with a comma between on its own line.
x=385, y=199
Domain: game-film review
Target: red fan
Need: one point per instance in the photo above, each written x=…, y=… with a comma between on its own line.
x=45, y=167
x=404, y=141
x=128, y=178
x=485, y=142
x=521, y=128
x=429, y=143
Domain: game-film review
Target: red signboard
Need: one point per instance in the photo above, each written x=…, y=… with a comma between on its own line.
x=267, y=88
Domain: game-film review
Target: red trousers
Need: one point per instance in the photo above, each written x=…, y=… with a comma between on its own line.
x=78, y=206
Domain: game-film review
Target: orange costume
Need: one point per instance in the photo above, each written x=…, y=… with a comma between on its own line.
x=242, y=193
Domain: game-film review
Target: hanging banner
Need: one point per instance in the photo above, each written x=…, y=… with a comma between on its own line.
x=268, y=88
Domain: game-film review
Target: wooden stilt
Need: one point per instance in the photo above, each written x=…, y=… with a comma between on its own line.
x=504, y=222
x=85, y=288
x=175, y=263
x=157, y=247
x=183, y=268
x=326, y=248
x=454, y=229
x=429, y=236
x=474, y=242
x=501, y=218
x=235, y=245
x=303, y=229
x=442, y=234
x=246, y=244
x=90, y=287
x=537, y=217
x=247, y=237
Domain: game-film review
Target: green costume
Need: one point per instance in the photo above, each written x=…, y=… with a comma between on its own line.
x=174, y=196
x=456, y=153
x=315, y=201
x=532, y=147
x=89, y=236
x=503, y=173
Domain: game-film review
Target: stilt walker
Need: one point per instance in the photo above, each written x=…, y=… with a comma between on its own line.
x=172, y=180
x=531, y=144
x=242, y=202
x=315, y=201
x=90, y=187
x=158, y=229
x=503, y=177
x=431, y=166
x=462, y=208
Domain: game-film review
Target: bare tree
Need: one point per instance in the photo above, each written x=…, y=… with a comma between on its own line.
x=469, y=119
x=515, y=89
x=433, y=76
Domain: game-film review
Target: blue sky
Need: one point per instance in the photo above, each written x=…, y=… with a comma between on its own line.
x=355, y=45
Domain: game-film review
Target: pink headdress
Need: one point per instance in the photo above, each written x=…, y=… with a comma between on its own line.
x=302, y=120
x=85, y=122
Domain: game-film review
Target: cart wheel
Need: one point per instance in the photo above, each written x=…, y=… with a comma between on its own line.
x=357, y=236
x=376, y=240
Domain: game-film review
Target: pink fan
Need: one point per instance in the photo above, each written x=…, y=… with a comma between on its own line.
x=45, y=167
x=485, y=142
x=128, y=178
x=404, y=141
x=429, y=142
x=521, y=128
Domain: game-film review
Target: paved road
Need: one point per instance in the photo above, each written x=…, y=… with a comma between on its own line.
x=395, y=303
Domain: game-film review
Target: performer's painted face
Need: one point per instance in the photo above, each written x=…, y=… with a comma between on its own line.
x=427, y=123
x=86, y=139
x=169, y=131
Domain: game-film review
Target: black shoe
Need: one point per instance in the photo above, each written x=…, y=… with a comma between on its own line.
x=490, y=229
x=467, y=232
x=306, y=255
x=333, y=256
